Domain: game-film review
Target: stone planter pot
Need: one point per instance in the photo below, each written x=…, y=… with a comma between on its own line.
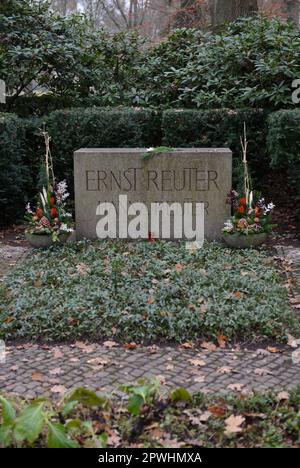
x=245, y=242
x=43, y=241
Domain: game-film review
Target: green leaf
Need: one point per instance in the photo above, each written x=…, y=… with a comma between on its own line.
x=68, y=407
x=142, y=391
x=102, y=439
x=87, y=397
x=5, y=434
x=8, y=412
x=135, y=402
x=57, y=437
x=30, y=423
x=180, y=394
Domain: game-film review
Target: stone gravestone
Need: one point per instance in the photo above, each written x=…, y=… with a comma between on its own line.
x=183, y=175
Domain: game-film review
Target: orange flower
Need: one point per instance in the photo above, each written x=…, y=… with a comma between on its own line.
x=39, y=213
x=257, y=212
x=243, y=201
x=53, y=212
x=241, y=210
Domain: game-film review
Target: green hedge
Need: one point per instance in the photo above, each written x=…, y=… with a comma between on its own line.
x=40, y=105
x=22, y=147
x=14, y=171
x=284, y=145
x=27, y=106
x=220, y=128
x=76, y=128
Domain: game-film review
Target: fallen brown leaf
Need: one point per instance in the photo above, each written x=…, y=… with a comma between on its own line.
x=197, y=362
x=186, y=345
x=236, y=387
x=169, y=367
x=199, y=378
x=273, y=349
x=110, y=344
x=57, y=354
x=98, y=361
x=282, y=396
x=262, y=372
x=209, y=346
x=293, y=342
x=86, y=348
x=224, y=370
x=130, y=346
x=233, y=424
x=216, y=410
x=58, y=389
x=222, y=341
x=8, y=320
x=37, y=376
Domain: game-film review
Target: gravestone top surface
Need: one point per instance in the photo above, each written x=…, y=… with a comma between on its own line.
x=220, y=151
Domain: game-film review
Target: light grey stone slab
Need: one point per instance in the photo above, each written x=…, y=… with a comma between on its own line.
x=193, y=175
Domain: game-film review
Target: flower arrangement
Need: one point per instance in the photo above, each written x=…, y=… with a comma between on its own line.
x=248, y=217
x=50, y=216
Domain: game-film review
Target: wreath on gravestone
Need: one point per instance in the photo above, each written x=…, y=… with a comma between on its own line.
x=158, y=150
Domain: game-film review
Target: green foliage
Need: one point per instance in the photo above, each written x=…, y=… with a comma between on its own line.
x=63, y=55
x=38, y=423
x=158, y=150
x=265, y=420
x=14, y=172
x=22, y=147
x=249, y=63
x=39, y=46
x=180, y=394
x=284, y=143
x=158, y=74
x=86, y=397
x=29, y=423
x=143, y=393
x=97, y=128
x=38, y=105
x=198, y=300
x=220, y=128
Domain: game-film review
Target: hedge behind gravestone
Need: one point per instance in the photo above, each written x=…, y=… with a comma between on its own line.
x=14, y=171
x=221, y=128
x=284, y=145
x=76, y=128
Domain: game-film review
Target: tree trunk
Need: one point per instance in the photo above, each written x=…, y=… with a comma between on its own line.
x=292, y=10
x=229, y=10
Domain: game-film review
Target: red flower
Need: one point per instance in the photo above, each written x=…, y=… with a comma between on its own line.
x=241, y=210
x=243, y=201
x=53, y=212
x=39, y=213
x=151, y=238
x=52, y=201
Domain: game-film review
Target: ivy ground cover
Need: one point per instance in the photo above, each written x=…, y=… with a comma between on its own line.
x=144, y=292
